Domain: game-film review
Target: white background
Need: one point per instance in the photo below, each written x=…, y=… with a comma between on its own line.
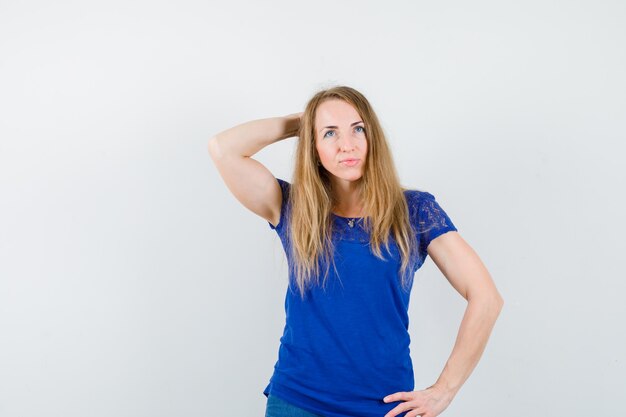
x=132, y=283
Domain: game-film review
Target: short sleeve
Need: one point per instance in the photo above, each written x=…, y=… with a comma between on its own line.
x=285, y=187
x=430, y=221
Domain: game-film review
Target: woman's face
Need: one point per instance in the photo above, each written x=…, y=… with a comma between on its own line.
x=340, y=139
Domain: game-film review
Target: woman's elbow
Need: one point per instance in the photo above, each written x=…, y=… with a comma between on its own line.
x=498, y=303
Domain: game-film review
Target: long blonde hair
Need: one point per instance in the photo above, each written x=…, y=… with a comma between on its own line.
x=312, y=199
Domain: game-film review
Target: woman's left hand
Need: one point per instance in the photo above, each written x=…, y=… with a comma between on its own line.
x=426, y=403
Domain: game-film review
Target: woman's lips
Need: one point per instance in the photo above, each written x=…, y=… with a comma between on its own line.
x=350, y=162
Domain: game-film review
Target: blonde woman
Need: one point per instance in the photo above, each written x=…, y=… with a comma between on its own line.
x=353, y=238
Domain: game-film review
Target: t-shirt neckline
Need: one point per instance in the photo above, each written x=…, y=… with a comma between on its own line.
x=342, y=217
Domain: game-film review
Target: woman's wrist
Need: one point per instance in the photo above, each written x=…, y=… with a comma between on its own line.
x=444, y=390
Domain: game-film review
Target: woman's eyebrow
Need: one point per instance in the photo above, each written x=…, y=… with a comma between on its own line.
x=335, y=127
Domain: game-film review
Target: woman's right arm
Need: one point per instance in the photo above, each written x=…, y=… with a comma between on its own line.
x=248, y=180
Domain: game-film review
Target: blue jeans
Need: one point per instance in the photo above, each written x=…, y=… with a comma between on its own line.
x=279, y=408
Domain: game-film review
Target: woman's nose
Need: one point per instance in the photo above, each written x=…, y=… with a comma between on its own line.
x=346, y=143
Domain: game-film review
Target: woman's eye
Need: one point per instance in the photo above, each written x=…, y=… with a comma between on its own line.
x=358, y=127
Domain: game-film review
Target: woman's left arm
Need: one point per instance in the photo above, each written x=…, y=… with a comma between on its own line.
x=462, y=267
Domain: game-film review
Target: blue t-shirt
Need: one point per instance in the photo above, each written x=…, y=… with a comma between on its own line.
x=346, y=346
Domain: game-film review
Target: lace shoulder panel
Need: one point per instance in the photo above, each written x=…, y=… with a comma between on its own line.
x=427, y=217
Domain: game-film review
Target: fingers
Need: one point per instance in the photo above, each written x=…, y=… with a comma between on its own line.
x=397, y=396
x=410, y=403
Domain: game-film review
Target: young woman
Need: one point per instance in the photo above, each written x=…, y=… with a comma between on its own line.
x=354, y=238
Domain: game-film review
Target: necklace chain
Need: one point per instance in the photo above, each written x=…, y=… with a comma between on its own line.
x=351, y=220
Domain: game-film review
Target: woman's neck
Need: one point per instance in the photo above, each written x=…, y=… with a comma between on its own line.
x=348, y=205
x=347, y=198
